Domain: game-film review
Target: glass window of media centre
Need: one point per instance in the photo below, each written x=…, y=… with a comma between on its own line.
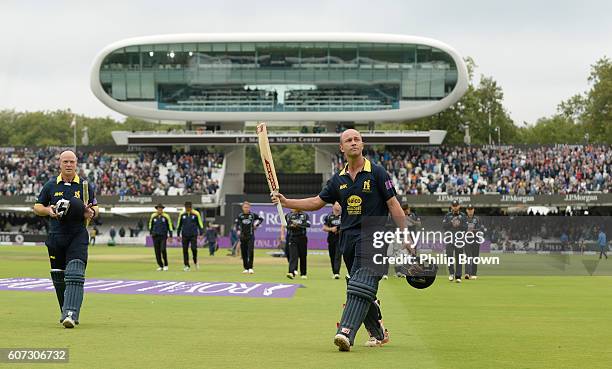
x=278, y=76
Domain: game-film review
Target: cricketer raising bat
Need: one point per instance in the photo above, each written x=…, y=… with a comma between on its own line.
x=268, y=165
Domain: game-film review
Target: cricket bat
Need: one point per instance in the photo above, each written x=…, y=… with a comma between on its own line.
x=268, y=165
x=86, y=198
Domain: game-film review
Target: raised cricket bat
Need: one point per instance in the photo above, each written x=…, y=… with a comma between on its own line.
x=268, y=165
x=86, y=198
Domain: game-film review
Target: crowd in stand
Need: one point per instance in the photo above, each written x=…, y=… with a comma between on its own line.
x=23, y=172
x=415, y=170
x=549, y=233
x=508, y=170
x=25, y=223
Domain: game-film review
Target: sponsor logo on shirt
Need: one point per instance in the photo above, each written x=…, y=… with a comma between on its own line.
x=354, y=205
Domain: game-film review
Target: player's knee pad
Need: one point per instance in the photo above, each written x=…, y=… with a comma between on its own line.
x=75, y=272
x=363, y=284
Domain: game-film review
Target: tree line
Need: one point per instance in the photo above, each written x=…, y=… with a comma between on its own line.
x=585, y=117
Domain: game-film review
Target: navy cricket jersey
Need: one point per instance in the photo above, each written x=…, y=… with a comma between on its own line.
x=366, y=196
x=55, y=190
x=189, y=224
x=160, y=224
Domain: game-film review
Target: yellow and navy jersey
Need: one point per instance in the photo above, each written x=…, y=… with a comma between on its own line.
x=189, y=223
x=160, y=224
x=55, y=190
x=366, y=196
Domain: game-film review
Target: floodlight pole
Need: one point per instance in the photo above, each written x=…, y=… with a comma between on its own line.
x=490, y=124
x=74, y=129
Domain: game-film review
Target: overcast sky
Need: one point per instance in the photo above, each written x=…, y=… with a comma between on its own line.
x=539, y=51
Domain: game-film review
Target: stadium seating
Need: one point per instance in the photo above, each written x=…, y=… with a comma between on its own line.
x=240, y=99
x=23, y=223
x=537, y=170
x=221, y=99
x=24, y=171
x=514, y=170
x=336, y=100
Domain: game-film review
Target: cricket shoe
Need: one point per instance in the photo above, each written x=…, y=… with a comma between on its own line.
x=458, y=280
x=385, y=277
x=165, y=269
x=467, y=276
x=186, y=269
x=251, y=271
x=304, y=277
x=62, y=317
x=336, y=276
x=472, y=277
x=159, y=269
x=343, y=342
x=290, y=275
x=246, y=271
x=68, y=322
x=451, y=278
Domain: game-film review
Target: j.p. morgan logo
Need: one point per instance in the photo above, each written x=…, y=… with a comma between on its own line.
x=451, y=198
x=136, y=199
x=580, y=198
x=31, y=199
x=516, y=198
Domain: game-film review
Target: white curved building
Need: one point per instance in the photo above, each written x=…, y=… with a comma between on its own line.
x=279, y=77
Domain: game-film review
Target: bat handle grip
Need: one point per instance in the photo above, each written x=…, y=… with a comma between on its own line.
x=281, y=214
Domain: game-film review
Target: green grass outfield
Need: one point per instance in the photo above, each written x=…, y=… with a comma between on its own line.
x=497, y=321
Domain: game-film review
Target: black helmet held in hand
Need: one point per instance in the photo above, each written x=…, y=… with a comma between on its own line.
x=420, y=275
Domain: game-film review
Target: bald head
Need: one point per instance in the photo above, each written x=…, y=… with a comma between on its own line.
x=348, y=133
x=67, y=164
x=67, y=154
x=351, y=144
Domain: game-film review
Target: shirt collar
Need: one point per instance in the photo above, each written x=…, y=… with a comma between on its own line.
x=76, y=179
x=367, y=167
